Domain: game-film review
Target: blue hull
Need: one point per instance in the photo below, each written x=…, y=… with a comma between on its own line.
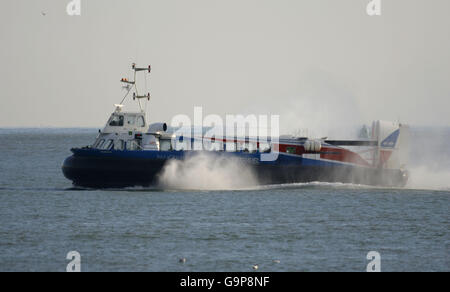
x=105, y=169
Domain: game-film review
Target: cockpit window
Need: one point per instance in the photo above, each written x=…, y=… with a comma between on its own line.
x=119, y=145
x=99, y=144
x=141, y=122
x=131, y=120
x=116, y=121
x=108, y=145
x=131, y=145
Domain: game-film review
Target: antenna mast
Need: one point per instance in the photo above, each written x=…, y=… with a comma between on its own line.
x=132, y=84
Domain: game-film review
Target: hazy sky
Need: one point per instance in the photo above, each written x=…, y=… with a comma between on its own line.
x=312, y=61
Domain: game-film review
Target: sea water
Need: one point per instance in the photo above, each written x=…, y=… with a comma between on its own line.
x=296, y=227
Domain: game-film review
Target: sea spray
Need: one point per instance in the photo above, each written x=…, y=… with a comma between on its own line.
x=427, y=178
x=429, y=165
x=207, y=171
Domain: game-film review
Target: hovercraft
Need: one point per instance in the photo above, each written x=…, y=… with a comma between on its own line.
x=129, y=151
